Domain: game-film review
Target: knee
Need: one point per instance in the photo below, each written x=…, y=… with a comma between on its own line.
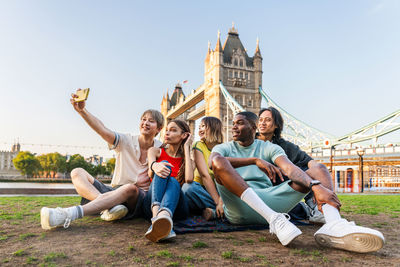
x=321, y=167
x=78, y=173
x=130, y=190
x=188, y=189
x=218, y=163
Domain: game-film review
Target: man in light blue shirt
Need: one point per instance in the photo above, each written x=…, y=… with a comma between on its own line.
x=243, y=169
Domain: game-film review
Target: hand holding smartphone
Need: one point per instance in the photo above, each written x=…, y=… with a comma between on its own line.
x=81, y=95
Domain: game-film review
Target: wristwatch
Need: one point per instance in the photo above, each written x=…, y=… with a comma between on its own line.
x=312, y=183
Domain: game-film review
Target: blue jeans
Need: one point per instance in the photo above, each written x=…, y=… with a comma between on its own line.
x=167, y=193
x=197, y=196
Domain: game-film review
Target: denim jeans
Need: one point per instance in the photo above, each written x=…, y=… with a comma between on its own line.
x=197, y=196
x=167, y=193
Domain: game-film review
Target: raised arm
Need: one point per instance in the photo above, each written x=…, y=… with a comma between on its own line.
x=188, y=161
x=93, y=122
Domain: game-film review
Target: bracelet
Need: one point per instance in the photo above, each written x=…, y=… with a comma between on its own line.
x=151, y=166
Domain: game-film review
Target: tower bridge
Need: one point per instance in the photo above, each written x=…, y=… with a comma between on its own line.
x=233, y=83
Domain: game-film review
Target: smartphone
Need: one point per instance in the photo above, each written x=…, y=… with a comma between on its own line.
x=82, y=95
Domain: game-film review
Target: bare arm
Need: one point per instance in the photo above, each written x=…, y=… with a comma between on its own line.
x=294, y=173
x=159, y=168
x=318, y=171
x=268, y=168
x=322, y=194
x=205, y=176
x=92, y=121
x=188, y=161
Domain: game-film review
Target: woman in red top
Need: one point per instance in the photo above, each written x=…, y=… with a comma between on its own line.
x=172, y=167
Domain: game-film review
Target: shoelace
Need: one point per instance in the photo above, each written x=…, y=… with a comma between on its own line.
x=66, y=215
x=278, y=222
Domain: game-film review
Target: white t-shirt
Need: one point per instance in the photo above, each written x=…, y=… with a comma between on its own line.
x=128, y=168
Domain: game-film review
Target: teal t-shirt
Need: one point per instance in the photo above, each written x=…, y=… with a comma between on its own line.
x=267, y=151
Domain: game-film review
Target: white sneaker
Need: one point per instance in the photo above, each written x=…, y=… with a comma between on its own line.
x=51, y=218
x=346, y=235
x=117, y=212
x=169, y=236
x=283, y=228
x=160, y=228
x=316, y=216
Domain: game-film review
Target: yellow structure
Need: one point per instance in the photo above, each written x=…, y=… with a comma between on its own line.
x=240, y=74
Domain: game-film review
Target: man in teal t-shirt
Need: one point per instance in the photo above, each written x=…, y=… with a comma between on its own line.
x=243, y=169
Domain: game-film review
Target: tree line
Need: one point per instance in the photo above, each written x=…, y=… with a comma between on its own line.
x=48, y=165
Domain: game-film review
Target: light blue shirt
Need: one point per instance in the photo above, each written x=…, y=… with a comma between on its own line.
x=267, y=151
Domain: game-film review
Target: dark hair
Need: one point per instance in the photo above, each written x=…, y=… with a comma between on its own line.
x=278, y=121
x=214, y=128
x=250, y=117
x=185, y=129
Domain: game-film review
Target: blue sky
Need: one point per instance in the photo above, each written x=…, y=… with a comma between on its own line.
x=332, y=64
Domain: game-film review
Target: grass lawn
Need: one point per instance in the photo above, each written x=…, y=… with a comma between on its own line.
x=92, y=242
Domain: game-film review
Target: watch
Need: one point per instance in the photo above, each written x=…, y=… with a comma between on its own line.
x=312, y=183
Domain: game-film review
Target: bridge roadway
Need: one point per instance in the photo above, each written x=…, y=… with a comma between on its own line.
x=190, y=101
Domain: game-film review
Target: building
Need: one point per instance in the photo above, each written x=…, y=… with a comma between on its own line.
x=7, y=168
x=240, y=74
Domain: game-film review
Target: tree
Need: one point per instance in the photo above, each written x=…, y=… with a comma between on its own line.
x=27, y=163
x=52, y=163
x=110, y=165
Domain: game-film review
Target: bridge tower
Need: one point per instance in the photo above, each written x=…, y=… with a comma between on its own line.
x=240, y=74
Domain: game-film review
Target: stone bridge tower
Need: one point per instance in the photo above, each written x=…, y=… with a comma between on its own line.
x=240, y=74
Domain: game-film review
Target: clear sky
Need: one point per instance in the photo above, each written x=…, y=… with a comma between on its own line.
x=332, y=64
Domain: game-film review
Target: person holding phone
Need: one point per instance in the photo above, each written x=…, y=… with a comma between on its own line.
x=130, y=179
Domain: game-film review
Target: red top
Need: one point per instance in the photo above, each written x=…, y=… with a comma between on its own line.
x=176, y=162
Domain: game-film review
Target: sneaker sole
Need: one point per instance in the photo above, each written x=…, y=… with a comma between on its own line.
x=292, y=236
x=45, y=219
x=316, y=222
x=160, y=230
x=356, y=242
x=119, y=214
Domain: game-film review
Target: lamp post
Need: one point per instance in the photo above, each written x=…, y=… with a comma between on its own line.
x=360, y=153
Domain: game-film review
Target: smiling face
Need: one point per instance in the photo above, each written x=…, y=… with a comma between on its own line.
x=174, y=135
x=242, y=129
x=202, y=131
x=266, y=125
x=148, y=125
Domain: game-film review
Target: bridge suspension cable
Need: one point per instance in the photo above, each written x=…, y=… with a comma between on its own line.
x=232, y=103
x=298, y=131
x=372, y=131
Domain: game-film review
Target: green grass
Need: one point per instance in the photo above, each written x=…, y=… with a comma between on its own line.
x=28, y=208
x=31, y=260
x=227, y=254
x=186, y=257
x=164, y=253
x=173, y=263
x=244, y=259
x=199, y=244
x=111, y=253
x=371, y=204
x=52, y=256
x=25, y=236
x=19, y=253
